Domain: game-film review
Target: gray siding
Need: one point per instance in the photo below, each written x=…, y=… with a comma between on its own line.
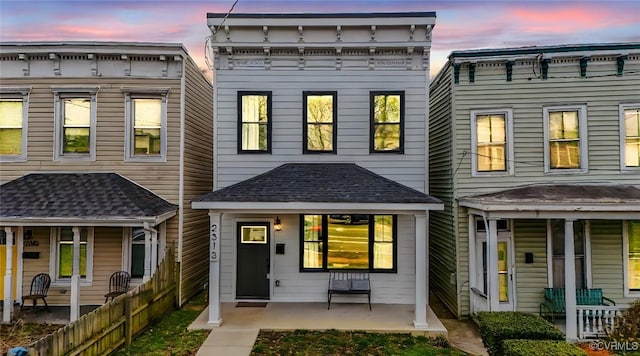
x=353, y=88
x=530, y=279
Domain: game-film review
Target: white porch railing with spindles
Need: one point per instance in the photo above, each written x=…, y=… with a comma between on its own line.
x=595, y=320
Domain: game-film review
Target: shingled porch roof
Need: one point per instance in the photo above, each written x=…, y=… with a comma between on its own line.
x=560, y=198
x=86, y=197
x=324, y=185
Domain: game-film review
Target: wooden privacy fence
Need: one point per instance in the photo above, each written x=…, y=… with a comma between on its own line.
x=118, y=322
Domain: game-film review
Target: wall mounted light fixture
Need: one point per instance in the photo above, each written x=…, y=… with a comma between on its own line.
x=278, y=224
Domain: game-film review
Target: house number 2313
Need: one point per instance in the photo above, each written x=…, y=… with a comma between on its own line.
x=214, y=248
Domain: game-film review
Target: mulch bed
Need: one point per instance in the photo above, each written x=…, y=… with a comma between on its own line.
x=20, y=333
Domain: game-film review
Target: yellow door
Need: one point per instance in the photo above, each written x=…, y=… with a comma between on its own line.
x=3, y=268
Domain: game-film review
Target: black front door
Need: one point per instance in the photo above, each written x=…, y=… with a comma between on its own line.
x=252, y=277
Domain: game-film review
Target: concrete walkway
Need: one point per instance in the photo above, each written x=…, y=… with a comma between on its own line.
x=464, y=336
x=229, y=343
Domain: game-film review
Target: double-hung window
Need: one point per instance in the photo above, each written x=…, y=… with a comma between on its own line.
x=580, y=243
x=367, y=242
x=13, y=123
x=320, y=112
x=630, y=136
x=61, y=263
x=254, y=122
x=386, y=112
x=146, y=124
x=632, y=257
x=75, y=129
x=492, y=143
x=565, y=139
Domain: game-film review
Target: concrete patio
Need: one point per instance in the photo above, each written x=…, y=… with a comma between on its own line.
x=241, y=325
x=55, y=314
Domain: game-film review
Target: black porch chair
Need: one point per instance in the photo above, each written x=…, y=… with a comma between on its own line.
x=39, y=289
x=118, y=284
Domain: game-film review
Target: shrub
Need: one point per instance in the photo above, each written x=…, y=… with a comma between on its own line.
x=541, y=348
x=498, y=326
x=627, y=326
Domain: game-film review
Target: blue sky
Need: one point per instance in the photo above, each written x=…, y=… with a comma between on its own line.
x=459, y=25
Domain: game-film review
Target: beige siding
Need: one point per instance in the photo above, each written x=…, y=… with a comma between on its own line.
x=442, y=243
x=160, y=177
x=198, y=179
x=462, y=252
x=531, y=279
x=107, y=258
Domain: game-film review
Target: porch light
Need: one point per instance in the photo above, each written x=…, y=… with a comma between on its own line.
x=278, y=224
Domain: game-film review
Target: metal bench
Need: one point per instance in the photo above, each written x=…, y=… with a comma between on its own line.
x=554, y=300
x=349, y=282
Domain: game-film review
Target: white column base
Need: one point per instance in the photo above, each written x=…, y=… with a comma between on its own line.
x=8, y=302
x=420, y=325
x=75, y=298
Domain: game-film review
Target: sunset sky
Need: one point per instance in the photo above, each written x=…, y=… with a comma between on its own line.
x=459, y=24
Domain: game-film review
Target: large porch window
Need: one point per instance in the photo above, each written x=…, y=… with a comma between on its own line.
x=366, y=242
x=557, y=245
x=62, y=253
x=633, y=256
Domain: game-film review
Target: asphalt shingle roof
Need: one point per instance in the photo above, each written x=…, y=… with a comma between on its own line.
x=563, y=194
x=101, y=196
x=318, y=182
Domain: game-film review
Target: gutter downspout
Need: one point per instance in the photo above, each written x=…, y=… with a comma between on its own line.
x=181, y=184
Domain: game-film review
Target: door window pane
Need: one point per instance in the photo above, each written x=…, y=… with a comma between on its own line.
x=503, y=271
x=633, y=262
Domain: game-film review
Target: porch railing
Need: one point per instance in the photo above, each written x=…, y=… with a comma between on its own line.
x=108, y=327
x=596, y=320
x=479, y=301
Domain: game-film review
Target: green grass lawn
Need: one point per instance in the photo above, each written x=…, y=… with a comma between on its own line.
x=333, y=342
x=169, y=336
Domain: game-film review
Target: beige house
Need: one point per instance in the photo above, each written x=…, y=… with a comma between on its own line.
x=536, y=153
x=102, y=147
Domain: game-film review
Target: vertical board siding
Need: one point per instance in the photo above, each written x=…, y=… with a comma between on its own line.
x=531, y=279
x=198, y=179
x=442, y=243
x=352, y=121
x=296, y=286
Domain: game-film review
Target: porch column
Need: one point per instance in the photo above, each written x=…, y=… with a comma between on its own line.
x=570, y=281
x=472, y=262
x=154, y=251
x=422, y=275
x=147, y=256
x=75, y=276
x=8, y=278
x=215, y=227
x=492, y=266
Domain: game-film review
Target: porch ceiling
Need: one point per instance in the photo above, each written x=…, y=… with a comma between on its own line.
x=546, y=199
x=318, y=186
x=87, y=198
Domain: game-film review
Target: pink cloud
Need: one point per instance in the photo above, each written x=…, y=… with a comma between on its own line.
x=562, y=20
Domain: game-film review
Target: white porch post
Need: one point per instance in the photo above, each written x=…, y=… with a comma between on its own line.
x=8, y=277
x=422, y=276
x=75, y=277
x=147, y=256
x=570, y=281
x=154, y=251
x=472, y=261
x=492, y=266
x=215, y=234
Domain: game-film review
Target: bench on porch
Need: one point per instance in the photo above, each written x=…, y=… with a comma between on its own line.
x=349, y=282
x=554, y=300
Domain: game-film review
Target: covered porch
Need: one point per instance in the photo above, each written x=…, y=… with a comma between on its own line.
x=292, y=225
x=76, y=229
x=533, y=246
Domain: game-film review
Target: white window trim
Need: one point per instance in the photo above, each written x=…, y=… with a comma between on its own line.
x=147, y=93
x=623, y=136
x=53, y=259
x=584, y=147
x=18, y=93
x=508, y=113
x=587, y=254
x=127, y=242
x=74, y=92
x=625, y=258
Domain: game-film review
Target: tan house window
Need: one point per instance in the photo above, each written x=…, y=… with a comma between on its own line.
x=75, y=117
x=146, y=124
x=61, y=252
x=492, y=146
x=566, y=138
x=11, y=131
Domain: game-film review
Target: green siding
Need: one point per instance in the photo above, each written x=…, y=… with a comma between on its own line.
x=531, y=279
x=441, y=233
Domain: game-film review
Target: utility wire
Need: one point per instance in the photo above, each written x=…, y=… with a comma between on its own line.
x=207, y=41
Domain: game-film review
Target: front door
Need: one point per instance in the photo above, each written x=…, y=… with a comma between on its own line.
x=505, y=275
x=253, y=263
